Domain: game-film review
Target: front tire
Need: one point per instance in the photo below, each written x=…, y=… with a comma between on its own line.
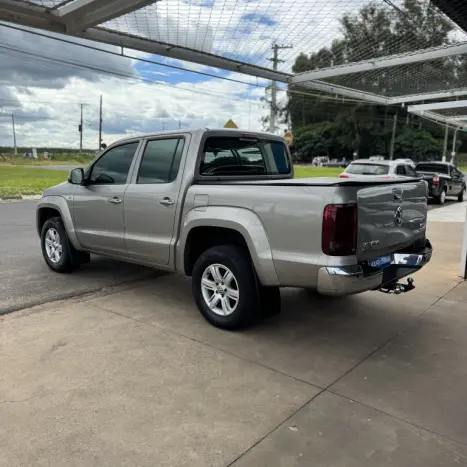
x=224, y=287
x=58, y=253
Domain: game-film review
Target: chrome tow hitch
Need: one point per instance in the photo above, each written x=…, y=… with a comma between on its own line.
x=399, y=288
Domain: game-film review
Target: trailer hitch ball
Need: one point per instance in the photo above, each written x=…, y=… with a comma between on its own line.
x=399, y=288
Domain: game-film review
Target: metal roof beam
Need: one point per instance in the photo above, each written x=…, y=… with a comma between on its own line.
x=29, y=14
x=438, y=118
x=83, y=14
x=384, y=62
x=428, y=96
x=343, y=91
x=180, y=53
x=437, y=106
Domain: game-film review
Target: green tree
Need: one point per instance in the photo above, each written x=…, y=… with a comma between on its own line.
x=373, y=32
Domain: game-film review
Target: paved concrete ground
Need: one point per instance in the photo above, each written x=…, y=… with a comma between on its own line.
x=25, y=280
x=138, y=378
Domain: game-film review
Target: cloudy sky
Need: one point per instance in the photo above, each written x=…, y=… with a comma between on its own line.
x=44, y=81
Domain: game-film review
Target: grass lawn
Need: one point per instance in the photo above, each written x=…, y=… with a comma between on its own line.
x=65, y=159
x=304, y=172
x=24, y=181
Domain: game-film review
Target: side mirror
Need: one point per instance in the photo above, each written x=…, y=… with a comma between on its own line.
x=76, y=177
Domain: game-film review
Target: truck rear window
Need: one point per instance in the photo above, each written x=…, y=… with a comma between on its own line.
x=434, y=168
x=367, y=169
x=234, y=156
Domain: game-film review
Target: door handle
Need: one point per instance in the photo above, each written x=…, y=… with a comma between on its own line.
x=166, y=201
x=115, y=200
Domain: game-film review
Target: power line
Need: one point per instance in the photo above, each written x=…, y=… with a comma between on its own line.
x=167, y=65
x=121, y=75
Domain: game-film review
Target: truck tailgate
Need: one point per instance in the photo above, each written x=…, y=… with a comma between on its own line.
x=390, y=218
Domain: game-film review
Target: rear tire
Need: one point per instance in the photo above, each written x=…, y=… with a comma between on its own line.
x=58, y=253
x=461, y=197
x=441, y=198
x=224, y=287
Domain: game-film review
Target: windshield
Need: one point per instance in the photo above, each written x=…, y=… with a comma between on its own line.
x=244, y=156
x=434, y=168
x=368, y=169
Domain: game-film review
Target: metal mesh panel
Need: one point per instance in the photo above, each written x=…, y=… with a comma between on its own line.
x=414, y=78
x=245, y=30
x=49, y=4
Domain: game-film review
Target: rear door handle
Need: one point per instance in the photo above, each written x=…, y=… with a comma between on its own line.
x=115, y=200
x=166, y=201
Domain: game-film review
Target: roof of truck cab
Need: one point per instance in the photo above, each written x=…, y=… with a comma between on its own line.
x=199, y=131
x=377, y=162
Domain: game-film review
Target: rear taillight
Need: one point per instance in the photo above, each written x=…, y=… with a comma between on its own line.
x=436, y=180
x=343, y=175
x=339, y=234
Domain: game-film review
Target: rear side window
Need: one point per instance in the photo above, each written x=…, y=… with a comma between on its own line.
x=230, y=156
x=161, y=161
x=368, y=169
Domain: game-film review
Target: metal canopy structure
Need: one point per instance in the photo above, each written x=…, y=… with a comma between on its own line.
x=237, y=35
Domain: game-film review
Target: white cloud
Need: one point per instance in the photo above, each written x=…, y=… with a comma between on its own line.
x=130, y=107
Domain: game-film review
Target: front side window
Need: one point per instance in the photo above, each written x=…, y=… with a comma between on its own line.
x=113, y=167
x=410, y=171
x=234, y=156
x=161, y=161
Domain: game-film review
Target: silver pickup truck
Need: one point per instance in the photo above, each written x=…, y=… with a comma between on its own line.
x=223, y=207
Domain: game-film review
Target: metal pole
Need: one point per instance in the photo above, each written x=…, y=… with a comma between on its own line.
x=100, y=125
x=454, y=141
x=14, y=134
x=445, y=148
x=272, y=113
x=81, y=131
x=393, y=138
x=273, y=110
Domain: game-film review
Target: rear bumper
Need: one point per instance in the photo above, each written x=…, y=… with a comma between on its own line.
x=349, y=280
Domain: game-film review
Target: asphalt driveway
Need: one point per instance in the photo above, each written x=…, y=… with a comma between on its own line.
x=25, y=280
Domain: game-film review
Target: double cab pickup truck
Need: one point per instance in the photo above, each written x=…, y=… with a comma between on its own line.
x=444, y=179
x=223, y=207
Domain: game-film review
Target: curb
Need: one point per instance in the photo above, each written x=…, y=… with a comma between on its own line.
x=7, y=199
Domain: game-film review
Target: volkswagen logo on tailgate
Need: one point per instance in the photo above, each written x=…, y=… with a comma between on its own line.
x=398, y=217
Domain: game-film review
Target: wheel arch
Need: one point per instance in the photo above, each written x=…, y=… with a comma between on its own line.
x=218, y=225
x=56, y=206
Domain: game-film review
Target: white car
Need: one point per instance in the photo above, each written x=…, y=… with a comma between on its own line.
x=380, y=169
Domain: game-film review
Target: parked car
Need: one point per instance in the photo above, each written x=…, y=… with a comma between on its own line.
x=378, y=168
x=223, y=207
x=444, y=179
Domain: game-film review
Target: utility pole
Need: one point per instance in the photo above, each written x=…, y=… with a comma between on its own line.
x=14, y=133
x=179, y=124
x=81, y=130
x=275, y=61
x=445, y=147
x=393, y=138
x=100, y=125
